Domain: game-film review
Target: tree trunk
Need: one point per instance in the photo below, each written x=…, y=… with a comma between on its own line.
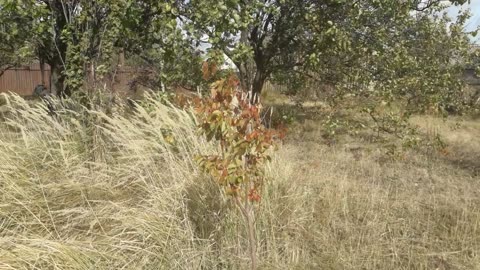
x=57, y=49
x=252, y=81
x=257, y=85
x=57, y=80
x=42, y=70
x=246, y=69
x=244, y=74
x=254, y=72
x=121, y=57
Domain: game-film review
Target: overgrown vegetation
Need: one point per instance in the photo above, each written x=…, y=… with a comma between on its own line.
x=90, y=190
x=372, y=175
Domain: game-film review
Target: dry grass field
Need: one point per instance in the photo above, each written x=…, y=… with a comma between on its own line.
x=97, y=191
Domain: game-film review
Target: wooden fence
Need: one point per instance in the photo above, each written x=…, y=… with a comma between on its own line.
x=23, y=80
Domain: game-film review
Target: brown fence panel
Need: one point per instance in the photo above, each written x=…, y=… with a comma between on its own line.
x=23, y=80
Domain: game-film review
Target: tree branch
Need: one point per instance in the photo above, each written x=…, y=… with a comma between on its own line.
x=3, y=69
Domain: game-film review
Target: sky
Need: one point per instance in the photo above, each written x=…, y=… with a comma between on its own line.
x=474, y=9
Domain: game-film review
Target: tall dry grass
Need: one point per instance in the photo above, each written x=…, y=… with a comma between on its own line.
x=92, y=190
x=87, y=190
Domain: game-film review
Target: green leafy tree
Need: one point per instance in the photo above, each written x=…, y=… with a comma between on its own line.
x=260, y=37
x=415, y=60
x=401, y=59
x=16, y=27
x=169, y=67
x=283, y=38
x=78, y=38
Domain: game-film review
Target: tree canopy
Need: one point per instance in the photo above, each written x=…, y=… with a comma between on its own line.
x=404, y=48
x=78, y=38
